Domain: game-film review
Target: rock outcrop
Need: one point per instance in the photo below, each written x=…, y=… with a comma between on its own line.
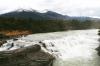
x=27, y=56
x=98, y=48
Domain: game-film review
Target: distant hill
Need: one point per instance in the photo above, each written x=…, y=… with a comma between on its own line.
x=33, y=14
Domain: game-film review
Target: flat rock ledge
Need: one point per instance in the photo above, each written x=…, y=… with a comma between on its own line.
x=27, y=56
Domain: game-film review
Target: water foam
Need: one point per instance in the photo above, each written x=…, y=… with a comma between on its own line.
x=77, y=49
x=70, y=48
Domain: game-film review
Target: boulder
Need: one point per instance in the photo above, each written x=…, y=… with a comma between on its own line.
x=98, y=49
x=99, y=32
x=2, y=42
x=27, y=56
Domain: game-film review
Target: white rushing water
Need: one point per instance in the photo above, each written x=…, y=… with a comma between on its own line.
x=71, y=48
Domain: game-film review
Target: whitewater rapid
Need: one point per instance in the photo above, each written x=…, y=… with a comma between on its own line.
x=70, y=48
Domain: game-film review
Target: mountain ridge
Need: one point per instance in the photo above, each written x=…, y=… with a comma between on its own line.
x=49, y=15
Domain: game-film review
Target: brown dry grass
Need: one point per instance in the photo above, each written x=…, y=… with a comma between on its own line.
x=16, y=32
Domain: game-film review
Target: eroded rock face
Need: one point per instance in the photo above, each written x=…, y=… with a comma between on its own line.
x=29, y=56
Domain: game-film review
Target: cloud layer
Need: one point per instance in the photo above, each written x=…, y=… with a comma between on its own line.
x=67, y=7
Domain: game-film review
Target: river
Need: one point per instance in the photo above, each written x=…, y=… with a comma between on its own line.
x=70, y=48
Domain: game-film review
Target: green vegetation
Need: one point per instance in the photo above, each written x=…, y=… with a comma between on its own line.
x=41, y=26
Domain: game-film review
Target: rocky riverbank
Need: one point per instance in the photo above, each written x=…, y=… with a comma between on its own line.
x=98, y=49
x=27, y=56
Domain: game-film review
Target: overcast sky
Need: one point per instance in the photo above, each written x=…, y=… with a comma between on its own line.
x=67, y=7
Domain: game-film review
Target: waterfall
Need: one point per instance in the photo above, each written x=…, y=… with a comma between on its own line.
x=70, y=48
x=77, y=49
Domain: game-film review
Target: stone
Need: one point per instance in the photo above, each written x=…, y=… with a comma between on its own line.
x=99, y=32
x=2, y=42
x=27, y=56
x=98, y=49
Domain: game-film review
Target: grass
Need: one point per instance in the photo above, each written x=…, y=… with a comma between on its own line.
x=15, y=32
